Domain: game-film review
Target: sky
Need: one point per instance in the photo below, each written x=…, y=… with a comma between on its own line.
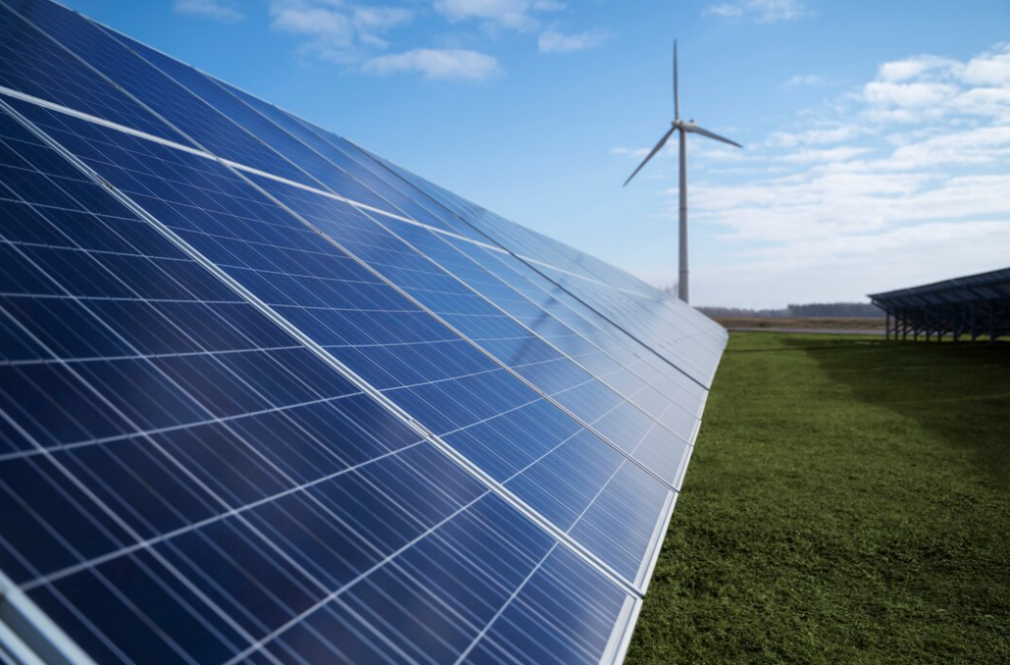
x=876, y=134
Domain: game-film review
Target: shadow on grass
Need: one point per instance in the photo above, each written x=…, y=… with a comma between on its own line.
x=958, y=391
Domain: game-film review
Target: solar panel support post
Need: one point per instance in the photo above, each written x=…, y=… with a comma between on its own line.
x=992, y=322
x=887, y=327
x=974, y=320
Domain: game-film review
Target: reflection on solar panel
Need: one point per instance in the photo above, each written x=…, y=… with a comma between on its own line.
x=268, y=398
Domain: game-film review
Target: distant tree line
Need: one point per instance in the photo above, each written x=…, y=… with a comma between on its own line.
x=847, y=310
x=812, y=310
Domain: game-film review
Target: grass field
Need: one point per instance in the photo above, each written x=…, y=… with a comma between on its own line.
x=848, y=502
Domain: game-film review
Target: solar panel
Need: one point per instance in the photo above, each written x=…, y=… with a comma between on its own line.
x=268, y=398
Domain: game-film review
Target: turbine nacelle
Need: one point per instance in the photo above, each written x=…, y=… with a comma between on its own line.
x=687, y=126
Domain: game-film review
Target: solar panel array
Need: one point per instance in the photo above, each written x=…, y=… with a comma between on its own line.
x=268, y=398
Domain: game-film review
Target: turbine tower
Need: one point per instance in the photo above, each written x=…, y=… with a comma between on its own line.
x=685, y=128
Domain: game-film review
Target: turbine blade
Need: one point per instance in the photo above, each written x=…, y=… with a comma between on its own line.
x=676, y=94
x=659, y=146
x=694, y=129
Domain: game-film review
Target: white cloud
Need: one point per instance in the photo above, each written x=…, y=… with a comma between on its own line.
x=918, y=67
x=725, y=11
x=989, y=69
x=850, y=267
x=762, y=11
x=225, y=11
x=552, y=41
x=633, y=152
x=820, y=136
x=512, y=14
x=443, y=64
x=336, y=30
x=926, y=88
x=923, y=195
x=827, y=155
x=803, y=80
x=888, y=93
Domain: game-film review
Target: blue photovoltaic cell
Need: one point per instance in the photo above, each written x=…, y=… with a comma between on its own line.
x=33, y=64
x=471, y=216
x=667, y=393
x=268, y=398
x=364, y=164
x=671, y=330
x=184, y=111
x=229, y=495
x=500, y=424
x=631, y=429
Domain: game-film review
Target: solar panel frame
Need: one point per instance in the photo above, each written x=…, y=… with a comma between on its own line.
x=456, y=233
x=618, y=587
x=237, y=166
x=197, y=95
x=560, y=272
x=514, y=498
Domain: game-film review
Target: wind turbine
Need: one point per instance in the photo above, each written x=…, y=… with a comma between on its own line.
x=685, y=128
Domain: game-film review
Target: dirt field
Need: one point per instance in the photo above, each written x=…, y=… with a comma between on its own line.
x=819, y=323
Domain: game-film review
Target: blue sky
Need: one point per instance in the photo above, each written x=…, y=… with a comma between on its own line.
x=877, y=134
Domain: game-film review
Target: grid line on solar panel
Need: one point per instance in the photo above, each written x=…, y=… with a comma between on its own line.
x=465, y=214
x=263, y=107
x=41, y=345
x=38, y=66
x=248, y=169
x=688, y=351
x=547, y=246
x=515, y=246
x=565, y=339
x=514, y=368
x=44, y=6
x=497, y=483
x=670, y=382
x=299, y=185
x=38, y=341
x=508, y=607
x=324, y=163
x=200, y=80
x=142, y=73
x=194, y=93
x=58, y=108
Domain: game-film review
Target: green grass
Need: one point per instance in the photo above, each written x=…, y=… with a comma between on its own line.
x=848, y=502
